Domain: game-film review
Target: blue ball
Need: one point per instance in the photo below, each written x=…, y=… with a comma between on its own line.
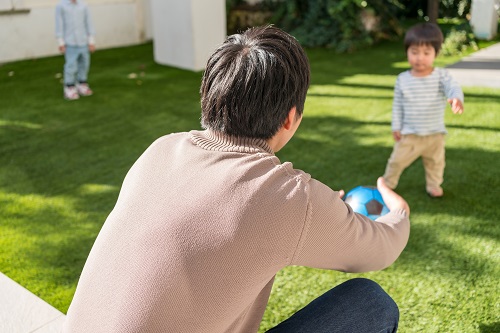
x=366, y=200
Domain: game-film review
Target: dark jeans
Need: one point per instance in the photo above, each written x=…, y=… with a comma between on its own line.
x=358, y=306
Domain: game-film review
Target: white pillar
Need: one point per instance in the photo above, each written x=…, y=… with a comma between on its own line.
x=186, y=32
x=484, y=19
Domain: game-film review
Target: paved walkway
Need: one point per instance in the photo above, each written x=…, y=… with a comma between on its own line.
x=23, y=312
x=480, y=69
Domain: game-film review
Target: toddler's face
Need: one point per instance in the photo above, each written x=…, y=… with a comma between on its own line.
x=421, y=59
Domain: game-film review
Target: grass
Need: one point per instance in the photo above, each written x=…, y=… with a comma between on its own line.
x=62, y=163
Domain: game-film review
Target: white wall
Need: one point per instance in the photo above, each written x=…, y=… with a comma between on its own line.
x=27, y=35
x=484, y=18
x=186, y=32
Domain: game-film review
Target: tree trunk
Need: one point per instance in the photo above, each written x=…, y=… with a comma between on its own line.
x=433, y=10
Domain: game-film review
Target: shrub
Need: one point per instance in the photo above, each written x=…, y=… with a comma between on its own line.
x=458, y=40
x=345, y=25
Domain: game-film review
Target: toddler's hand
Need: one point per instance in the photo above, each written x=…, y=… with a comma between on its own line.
x=456, y=105
x=396, y=135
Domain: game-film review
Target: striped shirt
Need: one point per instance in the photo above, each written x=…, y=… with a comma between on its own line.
x=73, y=24
x=420, y=102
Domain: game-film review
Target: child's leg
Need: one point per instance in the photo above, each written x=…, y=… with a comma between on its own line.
x=70, y=65
x=83, y=64
x=433, y=158
x=405, y=152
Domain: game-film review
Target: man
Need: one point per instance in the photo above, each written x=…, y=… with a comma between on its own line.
x=205, y=219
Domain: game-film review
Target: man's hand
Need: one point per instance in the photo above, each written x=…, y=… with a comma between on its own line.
x=392, y=199
x=91, y=48
x=62, y=49
x=456, y=105
x=396, y=135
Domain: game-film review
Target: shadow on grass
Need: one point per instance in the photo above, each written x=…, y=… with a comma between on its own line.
x=62, y=163
x=329, y=67
x=333, y=153
x=348, y=96
x=479, y=128
x=485, y=96
x=389, y=89
x=80, y=152
x=489, y=328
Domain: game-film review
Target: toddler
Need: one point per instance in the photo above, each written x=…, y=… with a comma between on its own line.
x=420, y=97
x=75, y=35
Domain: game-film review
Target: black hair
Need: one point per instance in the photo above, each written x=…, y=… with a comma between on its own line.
x=424, y=34
x=252, y=81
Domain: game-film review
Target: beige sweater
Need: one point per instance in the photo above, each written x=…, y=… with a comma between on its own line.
x=202, y=225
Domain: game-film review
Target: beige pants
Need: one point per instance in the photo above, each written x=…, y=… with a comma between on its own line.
x=411, y=147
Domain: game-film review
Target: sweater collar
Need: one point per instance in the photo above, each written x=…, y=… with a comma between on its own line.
x=212, y=140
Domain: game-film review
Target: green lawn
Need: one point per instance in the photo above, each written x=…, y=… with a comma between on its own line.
x=62, y=163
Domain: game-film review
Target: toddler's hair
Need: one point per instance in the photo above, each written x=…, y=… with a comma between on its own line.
x=424, y=34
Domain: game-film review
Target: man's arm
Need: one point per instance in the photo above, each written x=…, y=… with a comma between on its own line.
x=337, y=238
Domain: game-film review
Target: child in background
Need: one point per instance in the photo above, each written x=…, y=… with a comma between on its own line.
x=420, y=97
x=75, y=35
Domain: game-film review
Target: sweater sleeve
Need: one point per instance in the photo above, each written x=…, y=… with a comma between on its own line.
x=397, y=107
x=450, y=87
x=337, y=238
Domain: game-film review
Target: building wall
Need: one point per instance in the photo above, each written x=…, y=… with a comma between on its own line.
x=186, y=32
x=27, y=27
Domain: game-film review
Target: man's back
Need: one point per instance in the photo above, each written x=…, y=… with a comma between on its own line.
x=202, y=230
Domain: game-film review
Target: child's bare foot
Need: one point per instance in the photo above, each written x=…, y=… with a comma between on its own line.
x=436, y=192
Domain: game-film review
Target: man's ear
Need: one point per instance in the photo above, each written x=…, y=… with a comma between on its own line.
x=290, y=118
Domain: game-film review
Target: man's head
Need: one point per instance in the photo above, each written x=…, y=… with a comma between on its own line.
x=252, y=81
x=424, y=34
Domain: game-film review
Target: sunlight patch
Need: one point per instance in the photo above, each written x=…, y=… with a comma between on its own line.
x=370, y=80
x=401, y=65
x=14, y=204
x=97, y=188
x=19, y=124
